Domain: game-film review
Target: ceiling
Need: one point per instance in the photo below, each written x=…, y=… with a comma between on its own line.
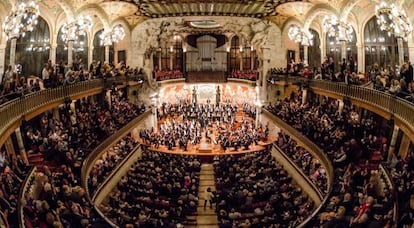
x=136, y=11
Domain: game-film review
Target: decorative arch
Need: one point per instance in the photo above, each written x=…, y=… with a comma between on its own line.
x=66, y=7
x=316, y=11
x=95, y=9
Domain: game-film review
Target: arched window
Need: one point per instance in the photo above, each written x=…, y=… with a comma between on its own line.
x=380, y=48
x=99, y=48
x=80, y=50
x=314, y=51
x=32, y=50
x=333, y=49
x=177, y=53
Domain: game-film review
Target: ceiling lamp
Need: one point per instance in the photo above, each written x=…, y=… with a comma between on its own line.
x=299, y=35
x=393, y=20
x=21, y=20
x=339, y=29
x=115, y=35
x=75, y=28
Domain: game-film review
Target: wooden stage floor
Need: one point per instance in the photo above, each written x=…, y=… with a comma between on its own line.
x=204, y=148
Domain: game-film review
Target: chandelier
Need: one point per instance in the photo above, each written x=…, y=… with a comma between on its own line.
x=393, y=20
x=339, y=29
x=299, y=35
x=21, y=20
x=115, y=35
x=75, y=28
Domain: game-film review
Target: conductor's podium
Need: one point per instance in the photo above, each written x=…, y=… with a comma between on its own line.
x=205, y=148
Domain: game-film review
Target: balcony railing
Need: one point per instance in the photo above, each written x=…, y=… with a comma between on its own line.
x=400, y=109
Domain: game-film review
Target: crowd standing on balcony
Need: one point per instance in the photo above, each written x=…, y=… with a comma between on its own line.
x=326, y=71
x=351, y=142
x=400, y=85
x=65, y=142
x=253, y=190
x=159, y=190
x=13, y=84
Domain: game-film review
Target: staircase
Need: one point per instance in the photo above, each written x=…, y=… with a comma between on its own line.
x=206, y=218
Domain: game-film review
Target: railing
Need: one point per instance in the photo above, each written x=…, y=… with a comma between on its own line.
x=120, y=171
x=300, y=171
x=386, y=176
x=398, y=108
x=308, y=181
x=3, y=221
x=113, y=172
x=311, y=148
x=101, y=148
x=24, y=191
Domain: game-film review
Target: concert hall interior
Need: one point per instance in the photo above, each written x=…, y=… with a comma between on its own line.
x=208, y=113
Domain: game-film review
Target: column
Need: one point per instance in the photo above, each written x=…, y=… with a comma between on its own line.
x=252, y=58
x=241, y=58
x=52, y=54
x=21, y=145
x=323, y=46
x=2, y=59
x=171, y=60
x=107, y=53
x=343, y=49
x=55, y=112
x=263, y=72
x=400, y=50
x=159, y=60
x=13, y=42
x=90, y=55
x=360, y=58
x=340, y=106
x=70, y=53
x=305, y=54
x=410, y=52
x=304, y=96
x=393, y=142
x=404, y=146
x=8, y=144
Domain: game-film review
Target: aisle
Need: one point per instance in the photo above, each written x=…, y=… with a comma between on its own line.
x=206, y=218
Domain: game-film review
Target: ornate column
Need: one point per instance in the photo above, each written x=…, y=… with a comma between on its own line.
x=21, y=145
x=2, y=59
x=360, y=58
x=13, y=42
x=70, y=53
x=404, y=146
x=52, y=54
x=411, y=51
x=258, y=105
x=400, y=43
x=343, y=49
x=323, y=46
x=155, y=101
x=8, y=144
x=306, y=54
x=340, y=106
x=252, y=58
x=171, y=58
x=107, y=53
x=393, y=142
x=90, y=54
x=304, y=96
x=263, y=72
x=159, y=59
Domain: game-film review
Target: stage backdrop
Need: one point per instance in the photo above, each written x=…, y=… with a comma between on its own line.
x=228, y=92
